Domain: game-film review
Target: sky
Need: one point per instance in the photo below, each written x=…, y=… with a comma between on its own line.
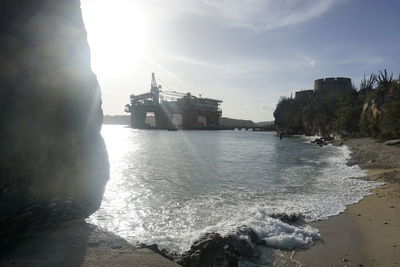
x=247, y=53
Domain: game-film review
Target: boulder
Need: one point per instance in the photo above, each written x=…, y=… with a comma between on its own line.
x=50, y=107
x=291, y=218
x=212, y=249
x=392, y=142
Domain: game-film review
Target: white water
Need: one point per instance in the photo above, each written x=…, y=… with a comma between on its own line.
x=169, y=188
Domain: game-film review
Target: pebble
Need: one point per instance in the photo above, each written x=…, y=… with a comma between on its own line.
x=386, y=223
x=116, y=245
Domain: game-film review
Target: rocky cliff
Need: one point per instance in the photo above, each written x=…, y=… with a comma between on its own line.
x=374, y=110
x=381, y=109
x=50, y=106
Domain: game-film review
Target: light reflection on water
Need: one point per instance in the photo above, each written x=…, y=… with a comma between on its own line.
x=169, y=187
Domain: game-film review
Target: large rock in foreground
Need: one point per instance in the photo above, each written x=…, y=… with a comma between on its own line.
x=50, y=106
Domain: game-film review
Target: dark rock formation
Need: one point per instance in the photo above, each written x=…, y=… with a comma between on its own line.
x=292, y=218
x=288, y=117
x=212, y=249
x=24, y=221
x=50, y=107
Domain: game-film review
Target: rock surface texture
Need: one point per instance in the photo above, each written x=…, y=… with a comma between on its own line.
x=77, y=243
x=50, y=107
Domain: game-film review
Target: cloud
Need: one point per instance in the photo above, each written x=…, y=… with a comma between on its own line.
x=237, y=66
x=362, y=59
x=255, y=15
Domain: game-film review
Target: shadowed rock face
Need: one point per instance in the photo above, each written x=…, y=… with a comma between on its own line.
x=50, y=106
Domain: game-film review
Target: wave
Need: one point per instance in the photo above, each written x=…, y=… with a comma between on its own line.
x=285, y=232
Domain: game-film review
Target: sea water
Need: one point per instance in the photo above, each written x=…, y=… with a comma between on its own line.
x=170, y=187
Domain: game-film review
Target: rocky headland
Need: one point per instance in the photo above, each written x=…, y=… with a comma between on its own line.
x=335, y=108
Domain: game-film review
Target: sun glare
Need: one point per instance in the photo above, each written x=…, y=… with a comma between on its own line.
x=116, y=34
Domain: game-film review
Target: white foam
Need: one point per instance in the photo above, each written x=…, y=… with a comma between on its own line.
x=274, y=232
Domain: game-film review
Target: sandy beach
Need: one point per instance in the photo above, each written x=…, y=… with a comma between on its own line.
x=367, y=233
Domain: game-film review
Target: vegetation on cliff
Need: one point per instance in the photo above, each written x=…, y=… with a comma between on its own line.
x=374, y=110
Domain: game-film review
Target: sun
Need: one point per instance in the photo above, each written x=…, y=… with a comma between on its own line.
x=116, y=34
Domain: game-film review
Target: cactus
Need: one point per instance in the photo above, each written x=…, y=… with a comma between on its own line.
x=384, y=79
x=368, y=83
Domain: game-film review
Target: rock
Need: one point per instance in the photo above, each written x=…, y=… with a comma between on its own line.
x=116, y=245
x=94, y=242
x=351, y=163
x=28, y=220
x=337, y=142
x=212, y=249
x=392, y=142
x=320, y=141
x=293, y=218
x=344, y=133
x=163, y=252
x=50, y=106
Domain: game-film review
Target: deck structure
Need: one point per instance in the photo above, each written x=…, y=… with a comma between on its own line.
x=172, y=110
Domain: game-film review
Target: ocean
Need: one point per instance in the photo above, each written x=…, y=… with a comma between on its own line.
x=170, y=187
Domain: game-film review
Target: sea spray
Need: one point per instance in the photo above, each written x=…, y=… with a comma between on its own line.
x=242, y=243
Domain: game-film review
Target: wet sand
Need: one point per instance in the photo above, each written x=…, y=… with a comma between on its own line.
x=367, y=233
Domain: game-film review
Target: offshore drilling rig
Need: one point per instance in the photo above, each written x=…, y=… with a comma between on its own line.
x=195, y=113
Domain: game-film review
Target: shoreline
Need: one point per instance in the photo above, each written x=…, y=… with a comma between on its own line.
x=367, y=233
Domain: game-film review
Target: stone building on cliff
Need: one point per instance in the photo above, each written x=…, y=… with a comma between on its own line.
x=331, y=85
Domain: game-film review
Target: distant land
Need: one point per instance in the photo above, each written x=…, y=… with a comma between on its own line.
x=117, y=119
x=265, y=124
x=224, y=121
